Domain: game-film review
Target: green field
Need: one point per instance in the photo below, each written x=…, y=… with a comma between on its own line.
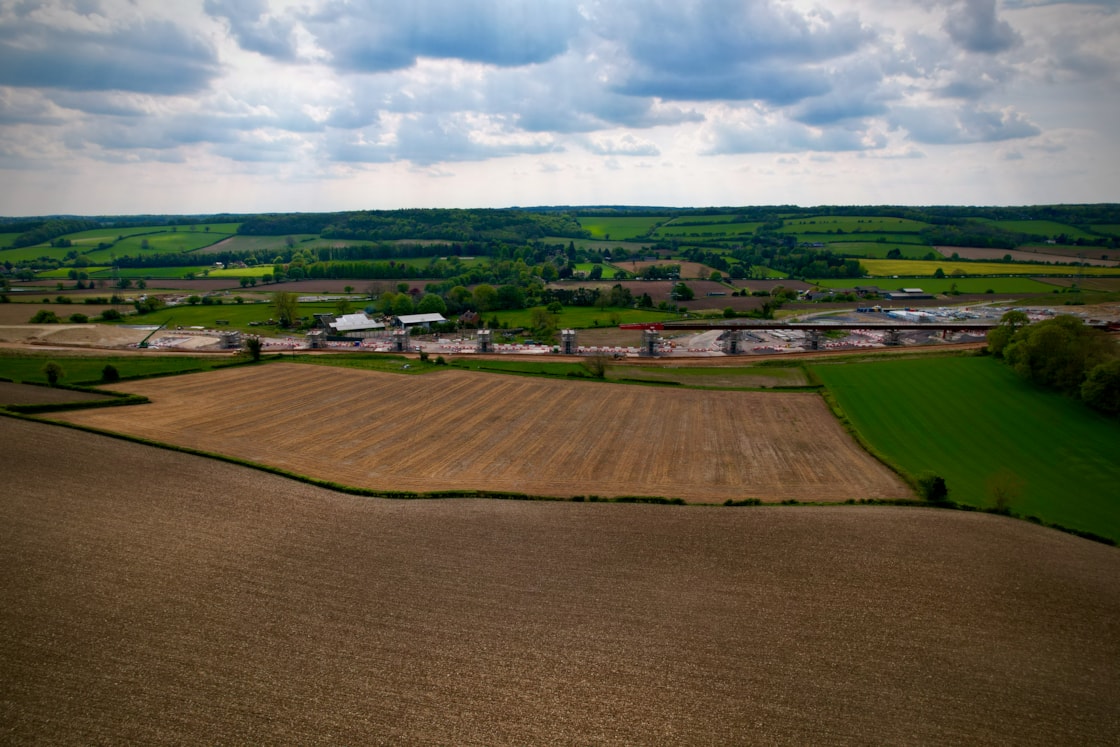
x=1112, y=229
x=31, y=253
x=920, y=268
x=87, y=370
x=876, y=249
x=701, y=220
x=582, y=317
x=237, y=314
x=272, y=243
x=6, y=239
x=1047, y=228
x=619, y=228
x=944, y=285
x=164, y=242
x=714, y=230
x=852, y=224
x=971, y=419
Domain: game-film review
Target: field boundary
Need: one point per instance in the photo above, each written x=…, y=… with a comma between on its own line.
x=499, y=495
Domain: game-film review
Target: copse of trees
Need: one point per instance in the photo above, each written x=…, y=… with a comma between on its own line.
x=1062, y=354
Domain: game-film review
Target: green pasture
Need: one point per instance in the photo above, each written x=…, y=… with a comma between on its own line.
x=28, y=366
x=715, y=229
x=944, y=285
x=701, y=220
x=619, y=228
x=84, y=239
x=259, y=271
x=237, y=314
x=1047, y=228
x=257, y=243
x=713, y=377
x=877, y=249
x=852, y=224
x=582, y=317
x=919, y=268
x=1109, y=229
x=6, y=239
x=973, y=421
x=140, y=272
x=164, y=242
x=31, y=253
x=834, y=241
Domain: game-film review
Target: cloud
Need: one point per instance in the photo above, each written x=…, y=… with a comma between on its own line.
x=973, y=25
x=386, y=35
x=254, y=29
x=756, y=134
x=145, y=55
x=708, y=50
x=627, y=145
x=962, y=125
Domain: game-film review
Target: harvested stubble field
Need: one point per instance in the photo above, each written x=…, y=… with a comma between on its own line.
x=152, y=597
x=27, y=394
x=467, y=430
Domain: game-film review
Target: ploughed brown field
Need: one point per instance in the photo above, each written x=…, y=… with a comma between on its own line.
x=152, y=597
x=466, y=430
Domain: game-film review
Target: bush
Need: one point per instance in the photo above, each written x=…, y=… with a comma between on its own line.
x=933, y=487
x=110, y=315
x=79, y=319
x=44, y=316
x=110, y=374
x=53, y=372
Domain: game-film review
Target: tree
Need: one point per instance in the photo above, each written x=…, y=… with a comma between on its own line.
x=596, y=272
x=1009, y=324
x=286, y=305
x=596, y=365
x=343, y=306
x=1059, y=352
x=933, y=487
x=1004, y=487
x=682, y=292
x=402, y=304
x=253, y=346
x=431, y=304
x=110, y=374
x=1101, y=389
x=53, y=372
x=485, y=297
x=194, y=300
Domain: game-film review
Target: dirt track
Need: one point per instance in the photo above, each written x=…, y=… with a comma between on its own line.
x=156, y=598
x=465, y=430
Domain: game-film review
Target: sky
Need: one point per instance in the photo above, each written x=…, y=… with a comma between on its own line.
x=205, y=106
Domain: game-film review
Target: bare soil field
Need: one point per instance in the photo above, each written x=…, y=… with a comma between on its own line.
x=20, y=312
x=1090, y=256
x=152, y=597
x=73, y=335
x=27, y=394
x=468, y=430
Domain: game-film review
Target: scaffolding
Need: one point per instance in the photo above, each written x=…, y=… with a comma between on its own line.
x=485, y=341
x=650, y=340
x=401, y=343
x=568, y=342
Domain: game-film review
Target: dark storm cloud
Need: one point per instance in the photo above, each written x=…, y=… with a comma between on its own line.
x=154, y=57
x=388, y=35
x=731, y=50
x=973, y=25
x=254, y=31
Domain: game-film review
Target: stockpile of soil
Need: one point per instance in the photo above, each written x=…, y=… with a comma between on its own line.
x=153, y=597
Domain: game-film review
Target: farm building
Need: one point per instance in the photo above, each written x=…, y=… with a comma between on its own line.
x=351, y=325
x=908, y=294
x=410, y=321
